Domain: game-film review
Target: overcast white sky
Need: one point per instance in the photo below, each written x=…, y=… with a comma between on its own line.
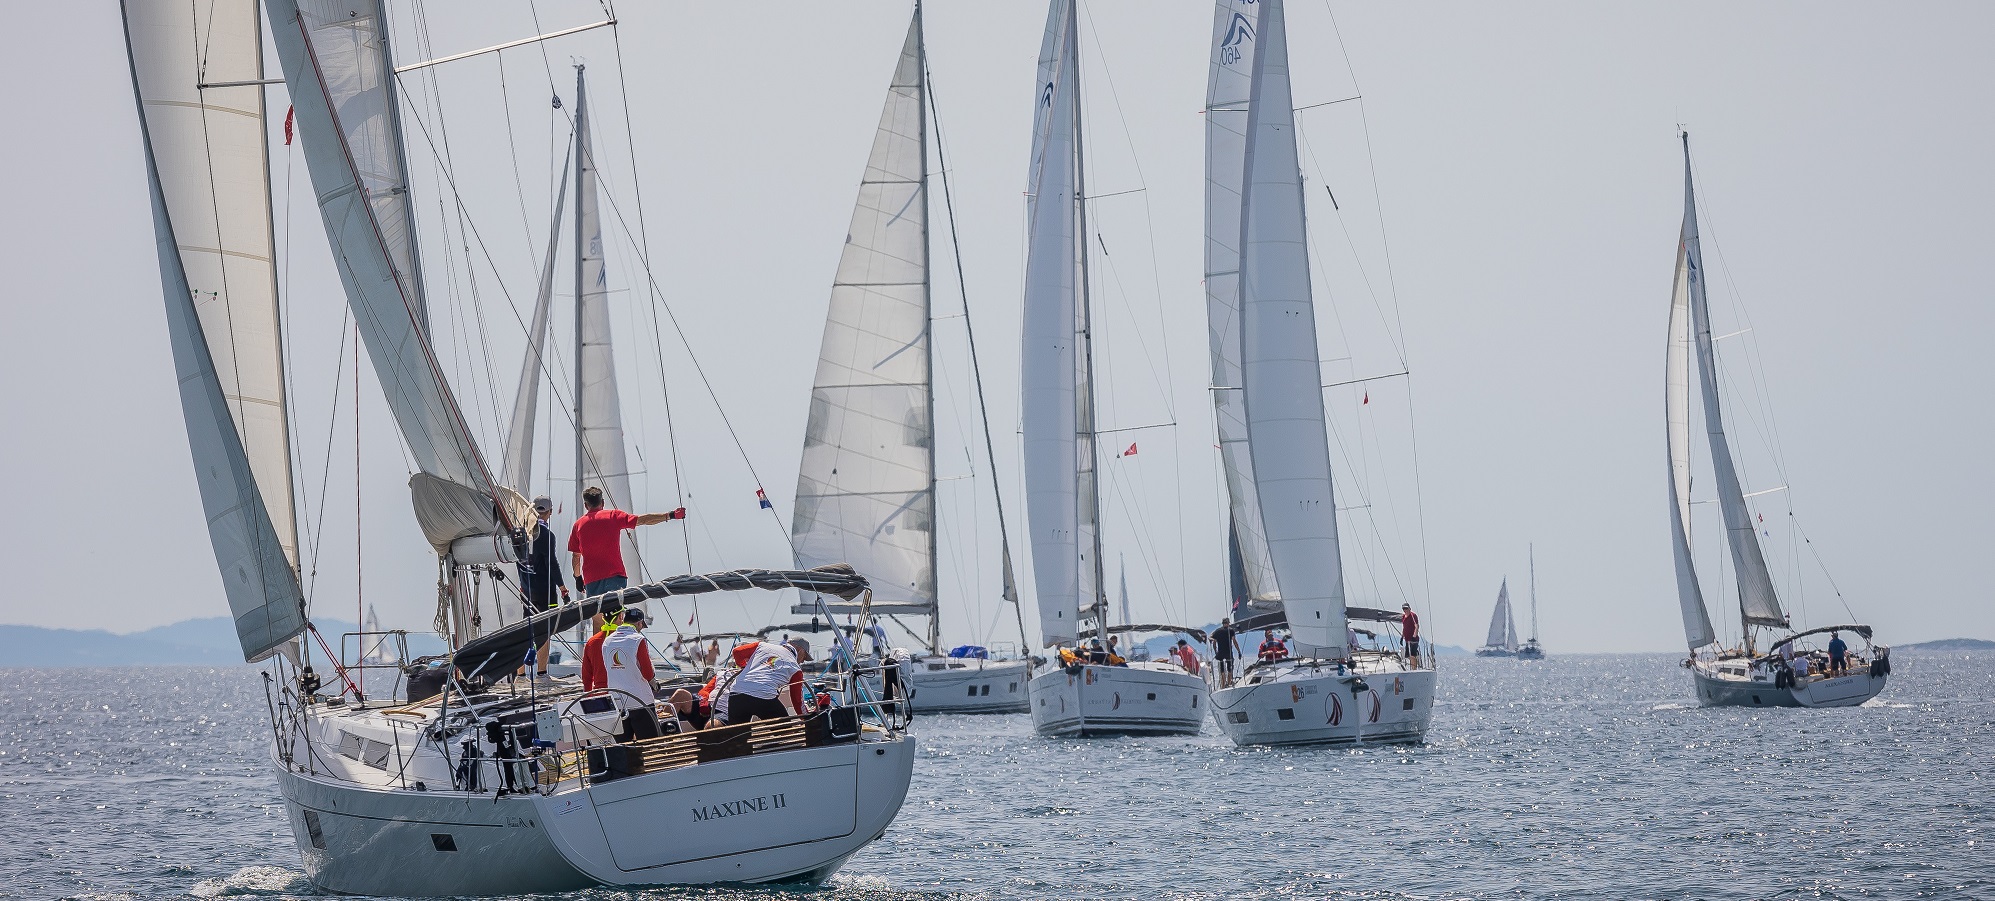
x=1529, y=185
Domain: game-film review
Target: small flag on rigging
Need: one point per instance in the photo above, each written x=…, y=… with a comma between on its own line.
x=763, y=499
x=1368, y=398
x=1131, y=452
x=290, y=117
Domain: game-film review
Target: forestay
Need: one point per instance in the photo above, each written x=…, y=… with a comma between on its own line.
x=1054, y=416
x=207, y=169
x=866, y=488
x=1288, y=439
x=337, y=67
x=1697, y=629
x=599, y=409
x=1229, y=87
x=1756, y=596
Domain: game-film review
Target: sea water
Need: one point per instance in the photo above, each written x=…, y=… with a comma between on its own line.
x=1582, y=776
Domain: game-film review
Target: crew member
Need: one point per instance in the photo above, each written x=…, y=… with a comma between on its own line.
x=686, y=706
x=596, y=543
x=1271, y=648
x=1225, y=647
x=1409, y=632
x=1839, y=660
x=1187, y=657
x=626, y=657
x=593, y=674
x=540, y=574
x=770, y=684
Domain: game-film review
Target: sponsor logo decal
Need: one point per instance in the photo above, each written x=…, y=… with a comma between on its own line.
x=1238, y=33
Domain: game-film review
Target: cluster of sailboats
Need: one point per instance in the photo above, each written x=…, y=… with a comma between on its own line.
x=460, y=779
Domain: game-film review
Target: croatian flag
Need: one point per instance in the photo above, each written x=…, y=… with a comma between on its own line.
x=1131, y=452
x=763, y=499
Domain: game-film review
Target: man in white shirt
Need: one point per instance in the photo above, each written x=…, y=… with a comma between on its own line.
x=628, y=672
x=770, y=684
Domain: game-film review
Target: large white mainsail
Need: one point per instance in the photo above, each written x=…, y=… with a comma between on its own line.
x=1756, y=596
x=1229, y=91
x=866, y=488
x=1697, y=629
x=1281, y=380
x=207, y=164
x=1054, y=416
x=599, y=453
x=337, y=67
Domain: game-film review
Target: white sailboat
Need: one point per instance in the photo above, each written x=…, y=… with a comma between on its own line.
x=1531, y=649
x=866, y=489
x=1273, y=436
x=1785, y=672
x=465, y=787
x=1086, y=695
x=1502, y=638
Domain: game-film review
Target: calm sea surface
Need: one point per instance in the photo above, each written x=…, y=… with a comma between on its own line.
x=1578, y=777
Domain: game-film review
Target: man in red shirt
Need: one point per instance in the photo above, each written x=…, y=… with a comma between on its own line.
x=1409, y=630
x=596, y=543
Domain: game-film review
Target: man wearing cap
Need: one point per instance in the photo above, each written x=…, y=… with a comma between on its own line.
x=540, y=573
x=1409, y=631
x=596, y=542
x=627, y=671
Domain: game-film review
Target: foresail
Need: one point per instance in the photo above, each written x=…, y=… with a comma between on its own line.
x=1235, y=25
x=866, y=488
x=517, y=466
x=1280, y=376
x=206, y=167
x=604, y=463
x=336, y=65
x=1499, y=619
x=1050, y=372
x=1756, y=596
x=1697, y=629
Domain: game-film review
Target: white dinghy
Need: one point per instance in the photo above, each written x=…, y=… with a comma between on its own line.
x=866, y=489
x=462, y=785
x=1273, y=436
x=1089, y=695
x=1786, y=672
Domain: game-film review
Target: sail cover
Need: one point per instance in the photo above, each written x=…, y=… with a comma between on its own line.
x=1697, y=629
x=1288, y=440
x=1501, y=633
x=336, y=65
x=1050, y=397
x=1756, y=597
x=207, y=167
x=866, y=487
x=600, y=409
x=1235, y=26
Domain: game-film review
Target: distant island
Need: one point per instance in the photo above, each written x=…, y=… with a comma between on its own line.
x=1947, y=644
x=207, y=641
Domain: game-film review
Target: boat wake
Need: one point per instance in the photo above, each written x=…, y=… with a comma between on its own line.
x=251, y=881
x=1671, y=707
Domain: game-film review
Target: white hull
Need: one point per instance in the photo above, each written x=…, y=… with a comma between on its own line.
x=1307, y=702
x=955, y=685
x=1716, y=689
x=1139, y=699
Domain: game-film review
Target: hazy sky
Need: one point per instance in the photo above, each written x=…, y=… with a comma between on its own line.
x=1521, y=158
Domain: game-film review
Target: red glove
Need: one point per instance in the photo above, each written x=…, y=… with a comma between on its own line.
x=679, y=513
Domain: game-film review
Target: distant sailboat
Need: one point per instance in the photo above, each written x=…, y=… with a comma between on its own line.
x=1273, y=433
x=1531, y=650
x=1782, y=674
x=866, y=486
x=1502, y=638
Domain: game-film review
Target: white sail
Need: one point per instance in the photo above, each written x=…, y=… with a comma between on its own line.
x=1235, y=27
x=1052, y=412
x=1756, y=596
x=1697, y=629
x=1280, y=376
x=517, y=465
x=207, y=167
x=866, y=489
x=599, y=414
x=336, y=64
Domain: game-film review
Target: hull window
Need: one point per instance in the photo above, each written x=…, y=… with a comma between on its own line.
x=1237, y=716
x=443, y=841
x=1285, y=713
x=312, y=829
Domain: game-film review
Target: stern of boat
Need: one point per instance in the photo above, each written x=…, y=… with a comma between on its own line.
x=1311, y=702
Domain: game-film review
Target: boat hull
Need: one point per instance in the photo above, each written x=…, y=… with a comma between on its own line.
x=1315, y=705
x=360, y=840
x=1849, y=690
x=952, y=685
x=1086, y=701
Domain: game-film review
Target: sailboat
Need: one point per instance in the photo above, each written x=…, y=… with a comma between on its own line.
x=456, y=782
x=1531, y=649
x=866, y=487
x=1273, y=435
x=1782, y=672
x=1502, y=638
x=1087, y=694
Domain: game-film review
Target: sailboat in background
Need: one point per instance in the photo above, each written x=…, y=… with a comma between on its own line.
x=1502, y=638
x=1087, y=695
x=1531, y=649
x=1783, y=674
x=866, y=489
x=469, y=785
x=1273, y=434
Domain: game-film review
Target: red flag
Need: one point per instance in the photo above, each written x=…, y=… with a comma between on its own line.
x=290, y=115
x=689, y=619
x=1131, y=452
x=1368, y=398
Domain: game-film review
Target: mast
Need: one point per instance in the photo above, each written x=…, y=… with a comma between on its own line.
x=1085, y=423
x=581, y=165
x=928, y=319
x=1533, y=557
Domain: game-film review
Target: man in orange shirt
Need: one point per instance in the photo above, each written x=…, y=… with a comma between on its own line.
x=596, y=543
